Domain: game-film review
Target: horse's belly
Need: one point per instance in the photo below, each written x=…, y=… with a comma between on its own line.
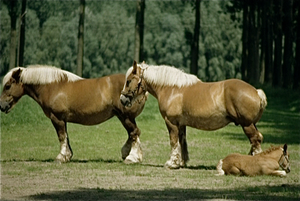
x=90, y=118
x=212, y=122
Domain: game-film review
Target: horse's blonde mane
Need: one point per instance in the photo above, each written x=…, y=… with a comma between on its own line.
x=167, y=76
x=39, y=74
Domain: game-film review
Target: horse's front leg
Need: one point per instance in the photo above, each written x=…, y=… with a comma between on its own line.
x=175, y=160
x=255, y=138
x=131, y=151
x=65, y=153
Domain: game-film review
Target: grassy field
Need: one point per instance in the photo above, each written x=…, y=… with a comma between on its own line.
x=29, y=146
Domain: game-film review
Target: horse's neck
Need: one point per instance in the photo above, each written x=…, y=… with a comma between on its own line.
x=35, y=92
x=276, y=154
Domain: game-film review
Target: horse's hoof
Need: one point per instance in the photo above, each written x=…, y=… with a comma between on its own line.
x=171, y=165
x=63, y=158
x=131, y=159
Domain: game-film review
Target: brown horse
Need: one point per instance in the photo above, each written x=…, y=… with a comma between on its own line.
x=184, y=100
x=265, y=163
x=65, y=97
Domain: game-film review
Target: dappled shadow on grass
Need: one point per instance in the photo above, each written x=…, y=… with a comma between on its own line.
x=280, y=192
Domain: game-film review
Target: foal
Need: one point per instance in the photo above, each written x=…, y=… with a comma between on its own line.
x=265, y=163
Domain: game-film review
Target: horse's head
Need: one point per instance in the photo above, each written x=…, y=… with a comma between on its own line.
x=284, y=161
x=134, y=86
x=12, y=90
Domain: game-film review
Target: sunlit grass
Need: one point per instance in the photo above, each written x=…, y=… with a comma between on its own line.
x=29, y=146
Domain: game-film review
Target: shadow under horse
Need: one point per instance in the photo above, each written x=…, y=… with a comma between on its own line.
x=66, y=97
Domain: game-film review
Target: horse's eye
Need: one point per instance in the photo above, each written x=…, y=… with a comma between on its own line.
x=127, y=83
x=7, y=87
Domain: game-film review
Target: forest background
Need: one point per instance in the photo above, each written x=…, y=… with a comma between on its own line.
x=257, y=41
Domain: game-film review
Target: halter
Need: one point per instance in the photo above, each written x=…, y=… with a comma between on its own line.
x=144, y=89
x=281, y=161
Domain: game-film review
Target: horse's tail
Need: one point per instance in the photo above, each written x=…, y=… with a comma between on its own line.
x=263, y=98
x=219, y=168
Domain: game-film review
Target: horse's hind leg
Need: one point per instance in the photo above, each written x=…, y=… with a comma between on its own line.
x=131, y=151
x=65, y=153
x=255, y=138
x=183, y=144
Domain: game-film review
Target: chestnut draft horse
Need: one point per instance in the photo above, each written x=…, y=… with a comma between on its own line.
x=65, y=97
x=184, y=100
x=265, y=163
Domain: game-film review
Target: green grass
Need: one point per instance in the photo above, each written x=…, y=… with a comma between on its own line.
x=29, y=146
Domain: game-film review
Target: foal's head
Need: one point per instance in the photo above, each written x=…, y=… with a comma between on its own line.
x=284, y=161
x=12, y=90
x=281, y=155
x=134, y=86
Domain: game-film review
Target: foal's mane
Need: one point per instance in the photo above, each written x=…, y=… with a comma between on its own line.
x=163, y=75
x=39, y=74
x=271, y=149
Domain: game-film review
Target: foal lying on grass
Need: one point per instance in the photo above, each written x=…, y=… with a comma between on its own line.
x=265, y=163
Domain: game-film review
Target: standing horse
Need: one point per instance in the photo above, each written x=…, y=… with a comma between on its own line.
x=265, y=163
x=184, y=100
x=65, y=97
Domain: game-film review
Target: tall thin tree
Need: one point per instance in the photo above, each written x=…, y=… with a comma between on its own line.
x=278, y=43
x=12, y=9
x=296, y=82
x=288, y=44
x=139, y=30
x=195, y=42
x=22, y=35
x=80, y=38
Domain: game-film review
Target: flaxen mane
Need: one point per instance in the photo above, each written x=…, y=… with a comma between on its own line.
x=37, y=74
x=166, y=76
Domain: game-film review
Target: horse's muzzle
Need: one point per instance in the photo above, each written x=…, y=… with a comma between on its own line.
x=126, y=101
x=287, y=170
x=4, y=106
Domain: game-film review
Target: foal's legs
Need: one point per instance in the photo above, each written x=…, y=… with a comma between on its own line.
x=66, y=153
x=131, y=151
x=255, y=138
x=175, y=160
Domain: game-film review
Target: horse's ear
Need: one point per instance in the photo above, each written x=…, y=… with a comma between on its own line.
x=134, y=65
x=16, y=75
x=285, y=148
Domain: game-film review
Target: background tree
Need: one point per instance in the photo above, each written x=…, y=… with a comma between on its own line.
x=22, y=34
x=237, y=38
x=296, y=76
x=139, y=31
x=80, y=38
x=195, y=42
x=288, y=44
x=13, y=7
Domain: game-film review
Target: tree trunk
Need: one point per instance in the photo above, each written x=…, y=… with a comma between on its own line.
x=278, y=43
x=288, y=44
x=263, y=43
x=245, y=36
x=22, y=35
x=269, y=42
x=139, y=31
x=253, y=44
x=13, y=33
x=296, y=81
x=195, y=42
x=80, y=38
